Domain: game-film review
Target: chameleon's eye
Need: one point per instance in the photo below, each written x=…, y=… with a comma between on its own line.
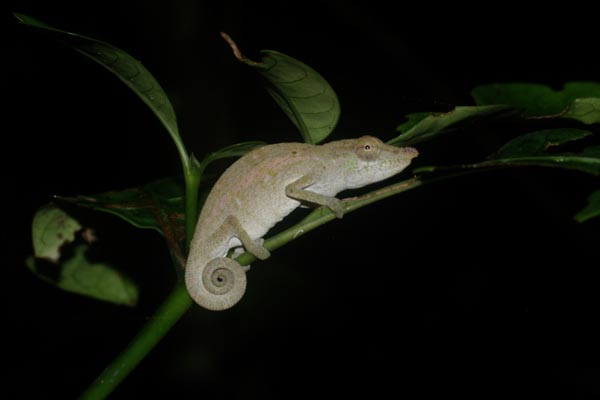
x=367, y=148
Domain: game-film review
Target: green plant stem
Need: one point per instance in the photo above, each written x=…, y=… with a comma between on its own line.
x=176, y=304
x=192, y=184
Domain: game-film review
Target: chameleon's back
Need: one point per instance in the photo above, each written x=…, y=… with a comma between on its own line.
x=253, y=190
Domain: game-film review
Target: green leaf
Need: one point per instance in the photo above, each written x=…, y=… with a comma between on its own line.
x=540, y=141
x=302, y=93
x=592, y=210
x=577, y=100
x=129, y=70
x=534, y=99
x=575, y=162
x=235, y=150
x=586, y=110
x=51, y=229
x=421, y=127
x=592, y=151
x=97, y=280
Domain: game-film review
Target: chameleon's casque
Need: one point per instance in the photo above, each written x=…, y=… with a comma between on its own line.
x=264, y=186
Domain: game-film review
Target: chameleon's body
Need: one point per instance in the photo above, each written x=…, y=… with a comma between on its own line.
x=264, y=186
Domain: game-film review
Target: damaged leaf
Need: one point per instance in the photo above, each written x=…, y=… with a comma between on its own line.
x=51, y=229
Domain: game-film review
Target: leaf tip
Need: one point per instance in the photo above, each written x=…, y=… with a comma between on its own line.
x=27, y=20
x=19, y=17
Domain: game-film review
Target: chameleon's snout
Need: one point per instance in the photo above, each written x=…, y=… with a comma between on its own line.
x=409, y=152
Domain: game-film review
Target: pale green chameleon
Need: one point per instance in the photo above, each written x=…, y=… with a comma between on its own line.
x=264, y=186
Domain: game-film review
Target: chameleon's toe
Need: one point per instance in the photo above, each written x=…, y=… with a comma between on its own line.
x=337, y=207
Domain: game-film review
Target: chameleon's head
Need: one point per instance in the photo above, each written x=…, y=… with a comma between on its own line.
x=371, y=161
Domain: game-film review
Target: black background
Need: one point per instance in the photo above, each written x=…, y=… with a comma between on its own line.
x=482, y=286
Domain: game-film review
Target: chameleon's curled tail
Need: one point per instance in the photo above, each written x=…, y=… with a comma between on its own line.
x=218, y=285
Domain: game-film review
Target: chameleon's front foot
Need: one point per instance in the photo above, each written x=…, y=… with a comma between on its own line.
x=257, y=249
x=219, y=286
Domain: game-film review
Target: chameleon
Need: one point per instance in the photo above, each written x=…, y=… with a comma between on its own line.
x=264, y=186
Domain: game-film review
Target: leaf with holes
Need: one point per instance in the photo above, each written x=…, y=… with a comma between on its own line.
x=78, y=275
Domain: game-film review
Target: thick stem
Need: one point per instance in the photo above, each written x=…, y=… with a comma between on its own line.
x=165, y=317
x=192, y=184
